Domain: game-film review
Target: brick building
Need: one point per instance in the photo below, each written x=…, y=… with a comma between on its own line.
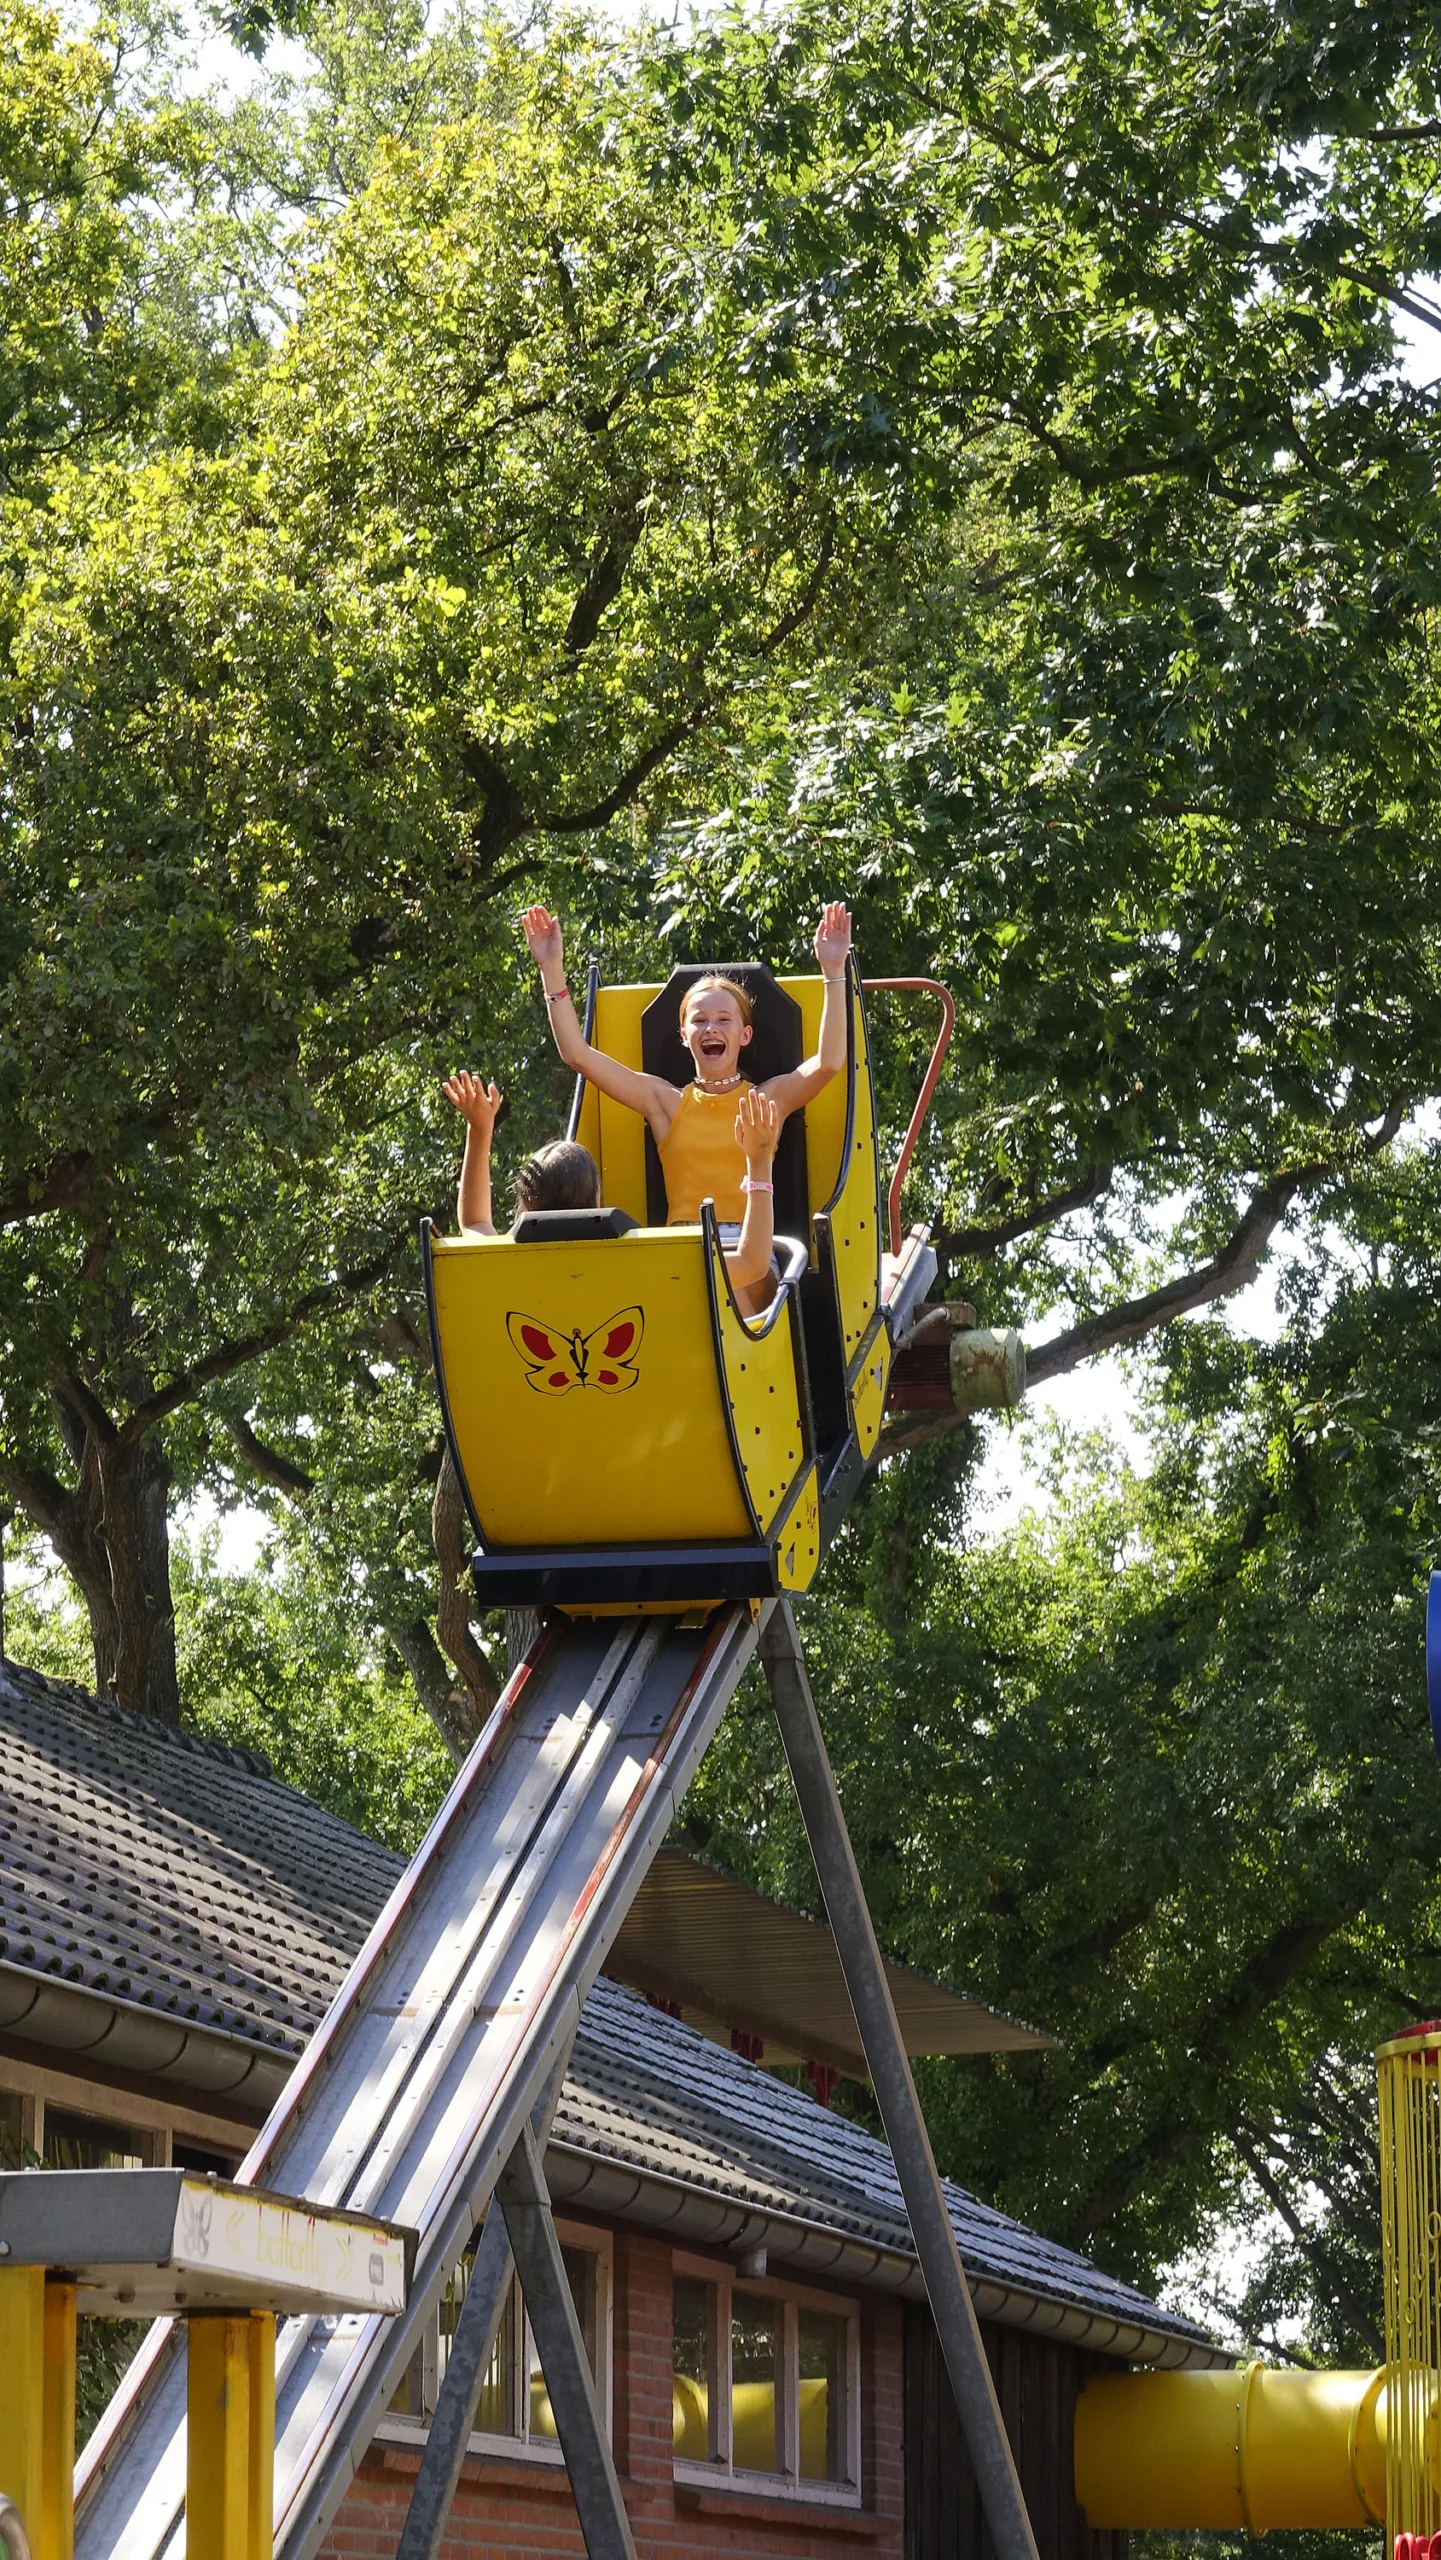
x=173, y=1924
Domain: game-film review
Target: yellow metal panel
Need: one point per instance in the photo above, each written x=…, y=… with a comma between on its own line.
x=798, y=1539
x=760, y=1376
x=217, y=2462
x=22, y=2403
x=57, y=2505
x=554, y=1455
x=262, y=2436
x=621, y=1131
x=868, y=1390
x=855, y=1218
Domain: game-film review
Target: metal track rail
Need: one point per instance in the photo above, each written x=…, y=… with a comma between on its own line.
x=417, y=2087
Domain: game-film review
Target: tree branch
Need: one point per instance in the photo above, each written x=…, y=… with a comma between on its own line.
x=1230, y=1269
x=66, y=1182
x=604, y=579
x=229, y=1356
x=977, y=1244
x=268, y=1462
x=578, y=821
x=574, y=822
x=1311, y=2244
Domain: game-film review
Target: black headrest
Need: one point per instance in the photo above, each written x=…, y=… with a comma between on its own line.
x=775, y=1046
x=570, y=1226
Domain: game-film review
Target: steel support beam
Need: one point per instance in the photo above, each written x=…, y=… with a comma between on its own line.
x=935, y=2243
x=471, y=2347
x=524, y=2199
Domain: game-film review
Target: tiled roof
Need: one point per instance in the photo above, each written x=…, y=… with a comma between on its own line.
x=145, y=1865
x=646, y=2090
x=139, y=1863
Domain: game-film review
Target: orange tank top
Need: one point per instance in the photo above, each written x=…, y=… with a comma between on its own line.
x=700, y=1158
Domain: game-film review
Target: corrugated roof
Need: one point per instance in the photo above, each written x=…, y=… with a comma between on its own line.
x=142, y=1865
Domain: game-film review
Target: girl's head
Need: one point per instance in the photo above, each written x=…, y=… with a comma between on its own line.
x=715, y=1024
x=560, y=1176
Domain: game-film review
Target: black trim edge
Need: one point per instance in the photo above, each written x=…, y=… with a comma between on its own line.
x=533, y=1577
x=592, y=988
x=427, y=1227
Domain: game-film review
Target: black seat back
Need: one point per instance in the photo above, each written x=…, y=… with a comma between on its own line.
x=775, y=1047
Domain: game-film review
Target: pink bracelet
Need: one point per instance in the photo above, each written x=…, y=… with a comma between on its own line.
x=561, y=990
x=748, y=1185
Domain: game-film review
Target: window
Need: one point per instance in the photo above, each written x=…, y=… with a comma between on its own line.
x=513, y=2412
x=89, y=2142
x=12, y=2130
x=764, y=2384
x=210, y=2164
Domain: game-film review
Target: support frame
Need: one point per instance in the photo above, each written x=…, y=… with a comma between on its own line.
x=952, y=2309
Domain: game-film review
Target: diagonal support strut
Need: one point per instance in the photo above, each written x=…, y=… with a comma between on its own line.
x=521, y=2235
x=471, y=2347
x=844, y=1895
x=524, y=2199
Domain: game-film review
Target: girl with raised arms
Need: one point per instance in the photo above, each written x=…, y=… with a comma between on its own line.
x=695, y=1125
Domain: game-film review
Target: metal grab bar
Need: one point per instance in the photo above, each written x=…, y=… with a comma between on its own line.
x=931, y=986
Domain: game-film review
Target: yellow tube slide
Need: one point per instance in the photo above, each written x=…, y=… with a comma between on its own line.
x=1253, y=2449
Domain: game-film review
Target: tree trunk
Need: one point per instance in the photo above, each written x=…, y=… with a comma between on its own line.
x=468, y=1704
x=112, y=1534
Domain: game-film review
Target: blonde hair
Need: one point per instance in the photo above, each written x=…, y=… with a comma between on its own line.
x=722, y=986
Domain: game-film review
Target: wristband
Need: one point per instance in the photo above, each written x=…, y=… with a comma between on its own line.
x=561, y=990
x=748, y=1185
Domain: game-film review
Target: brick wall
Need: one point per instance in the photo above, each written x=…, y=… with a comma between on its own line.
x=517, y=2511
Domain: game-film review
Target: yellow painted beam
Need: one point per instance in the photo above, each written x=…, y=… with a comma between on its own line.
x=261, y=2545
x=22, y=2402
x=217, y=2470
x=57, y=2467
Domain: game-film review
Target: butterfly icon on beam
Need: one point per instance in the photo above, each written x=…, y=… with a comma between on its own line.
x=556, y=1361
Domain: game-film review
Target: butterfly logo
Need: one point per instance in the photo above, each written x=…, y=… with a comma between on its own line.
x=555, y=1362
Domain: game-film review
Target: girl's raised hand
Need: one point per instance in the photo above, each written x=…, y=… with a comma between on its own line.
x=833, y=939
x=758, y=1127
x=542, y=935
x=477, y=1102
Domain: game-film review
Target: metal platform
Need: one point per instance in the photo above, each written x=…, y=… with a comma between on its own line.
x=416, y=2090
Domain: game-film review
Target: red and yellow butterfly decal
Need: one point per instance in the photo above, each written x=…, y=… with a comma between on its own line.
x=556, y=1361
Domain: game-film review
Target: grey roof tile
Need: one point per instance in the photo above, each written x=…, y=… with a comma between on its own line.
x=140, y=1862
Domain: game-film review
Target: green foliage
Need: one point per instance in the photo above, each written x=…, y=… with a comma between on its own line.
x=1155, y=1772
x=281, y=1661
x=951, y=456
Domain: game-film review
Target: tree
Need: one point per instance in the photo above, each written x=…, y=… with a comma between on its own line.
x=1154, y=1771
x=507, y=524
x=1156, y=792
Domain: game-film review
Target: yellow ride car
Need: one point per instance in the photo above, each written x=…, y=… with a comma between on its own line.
x=624, y=1436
